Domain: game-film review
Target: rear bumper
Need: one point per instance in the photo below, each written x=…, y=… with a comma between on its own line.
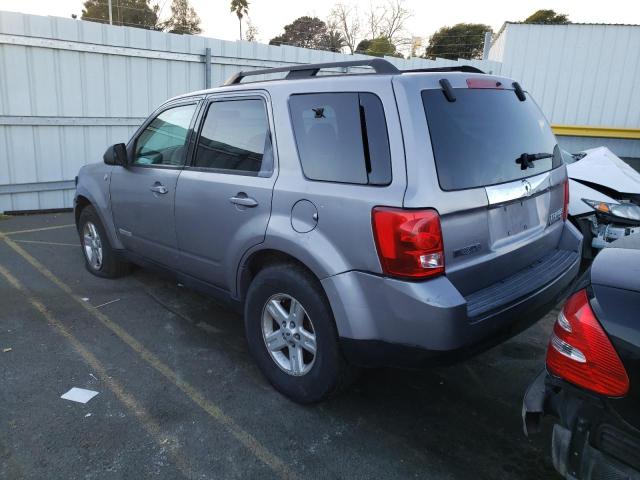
x=387, y=322
x=588, y=441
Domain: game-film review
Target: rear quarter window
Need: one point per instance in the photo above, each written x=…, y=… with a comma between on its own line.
x=342, y=137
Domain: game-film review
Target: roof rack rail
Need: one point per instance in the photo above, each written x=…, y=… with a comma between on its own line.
x=380, y=66
x=461, y=68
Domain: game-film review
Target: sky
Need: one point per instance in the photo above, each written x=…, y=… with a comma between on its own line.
x=269, y=16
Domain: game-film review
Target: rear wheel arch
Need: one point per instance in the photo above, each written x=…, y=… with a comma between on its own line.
x=261, y=259
x=277, y=274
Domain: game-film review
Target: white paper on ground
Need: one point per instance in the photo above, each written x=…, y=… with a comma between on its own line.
x=79, y=395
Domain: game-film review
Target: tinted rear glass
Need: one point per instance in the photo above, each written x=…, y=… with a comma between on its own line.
x=342, y=137
x=235, y=138
x=477, y=139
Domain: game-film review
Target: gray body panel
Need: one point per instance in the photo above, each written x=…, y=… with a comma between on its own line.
x=343, y=238
x=213, y=234
x=430, y=315
x=144, y=219
x=327, y=226
x=93, y=184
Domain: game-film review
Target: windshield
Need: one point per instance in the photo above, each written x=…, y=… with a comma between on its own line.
x=477, y=139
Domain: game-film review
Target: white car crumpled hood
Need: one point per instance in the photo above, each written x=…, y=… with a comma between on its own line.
x=601, y=166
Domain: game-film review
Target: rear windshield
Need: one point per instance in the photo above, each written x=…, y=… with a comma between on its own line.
x=477, y=139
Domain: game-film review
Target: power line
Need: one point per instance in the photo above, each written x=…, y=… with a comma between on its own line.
x=119, y=22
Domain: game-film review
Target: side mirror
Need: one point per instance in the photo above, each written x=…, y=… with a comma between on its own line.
x=116, y=155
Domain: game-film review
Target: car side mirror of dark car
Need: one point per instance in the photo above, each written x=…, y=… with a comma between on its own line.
x=116, y=155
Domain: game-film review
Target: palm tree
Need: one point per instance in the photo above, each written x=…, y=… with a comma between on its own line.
x=241, y=8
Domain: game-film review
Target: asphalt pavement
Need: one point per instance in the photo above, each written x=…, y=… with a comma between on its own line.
x=179, y=396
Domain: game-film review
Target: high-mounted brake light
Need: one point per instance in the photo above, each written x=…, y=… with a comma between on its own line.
x=483, y=83
x=409, y=242
x=565, y=211
x=581, y=353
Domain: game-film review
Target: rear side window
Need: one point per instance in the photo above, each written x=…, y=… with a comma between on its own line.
x=235, y=138
x=342, y=137
x=477, y=139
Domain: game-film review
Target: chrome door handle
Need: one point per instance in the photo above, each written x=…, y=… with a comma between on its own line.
x=242, y=199
x=161, y=189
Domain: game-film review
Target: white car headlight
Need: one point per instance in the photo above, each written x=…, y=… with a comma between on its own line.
x=628, y=211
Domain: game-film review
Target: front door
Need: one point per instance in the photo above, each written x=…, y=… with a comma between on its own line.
x=143, y=193
x=223, y=199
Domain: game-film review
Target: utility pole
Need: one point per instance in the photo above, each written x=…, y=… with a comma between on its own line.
x=487, y=45
x=110, y=14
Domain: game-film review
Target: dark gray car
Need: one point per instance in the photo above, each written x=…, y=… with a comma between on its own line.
x=387, y=218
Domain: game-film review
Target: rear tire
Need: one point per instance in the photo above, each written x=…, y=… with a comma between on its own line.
x=99, y=257
x=287, y=294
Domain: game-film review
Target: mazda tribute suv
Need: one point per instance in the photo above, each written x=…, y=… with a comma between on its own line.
x=375, y=217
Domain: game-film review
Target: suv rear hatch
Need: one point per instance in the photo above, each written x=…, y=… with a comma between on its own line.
x=500, y=222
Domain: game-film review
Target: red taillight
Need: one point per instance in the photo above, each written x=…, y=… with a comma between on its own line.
x=409, y=242
x=581, y=353
x=565, y=211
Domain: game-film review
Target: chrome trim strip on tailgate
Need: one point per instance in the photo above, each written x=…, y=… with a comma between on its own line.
x=527, y=187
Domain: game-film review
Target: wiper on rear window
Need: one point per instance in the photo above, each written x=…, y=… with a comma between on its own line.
x=526, y=159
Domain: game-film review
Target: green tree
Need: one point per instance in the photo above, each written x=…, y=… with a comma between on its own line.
x=332, y=40
x=240, y=8
x=183, y=20
x=547, y=17
x=363, y=46
x=306, y=32
x=381, y=46
x=464, y=40
x=131, y=13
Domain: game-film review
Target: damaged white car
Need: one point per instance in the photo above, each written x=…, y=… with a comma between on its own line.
x=604, y=197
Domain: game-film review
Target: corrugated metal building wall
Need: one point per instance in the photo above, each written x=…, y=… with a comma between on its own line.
x=582, y=75
x=70, y=88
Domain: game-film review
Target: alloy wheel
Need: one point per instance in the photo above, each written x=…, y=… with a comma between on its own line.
x=92, y=244
x=289, y=334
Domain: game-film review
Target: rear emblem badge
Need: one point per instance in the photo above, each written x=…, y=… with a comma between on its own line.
x=555, y=216
x=527, y=187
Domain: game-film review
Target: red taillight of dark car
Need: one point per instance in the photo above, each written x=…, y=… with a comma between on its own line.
x=581, y=353
x=565, y=212
x=409, y=242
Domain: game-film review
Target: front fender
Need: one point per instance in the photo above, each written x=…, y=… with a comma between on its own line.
x=93, y=184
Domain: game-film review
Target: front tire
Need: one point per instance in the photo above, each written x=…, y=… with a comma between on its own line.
x=292, y=334
x=99, y=257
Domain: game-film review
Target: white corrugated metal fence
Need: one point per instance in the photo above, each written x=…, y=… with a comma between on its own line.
x=70, y=88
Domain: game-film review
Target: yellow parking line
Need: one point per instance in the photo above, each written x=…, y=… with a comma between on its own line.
x=58, y=244
x=244, y=437
x=148, y=423
x=43, y=229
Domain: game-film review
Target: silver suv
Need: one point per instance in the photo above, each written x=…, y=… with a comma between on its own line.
x=392, y=218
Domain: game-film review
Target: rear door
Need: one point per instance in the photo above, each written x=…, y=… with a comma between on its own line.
x=223, y=198
x=497, y=217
